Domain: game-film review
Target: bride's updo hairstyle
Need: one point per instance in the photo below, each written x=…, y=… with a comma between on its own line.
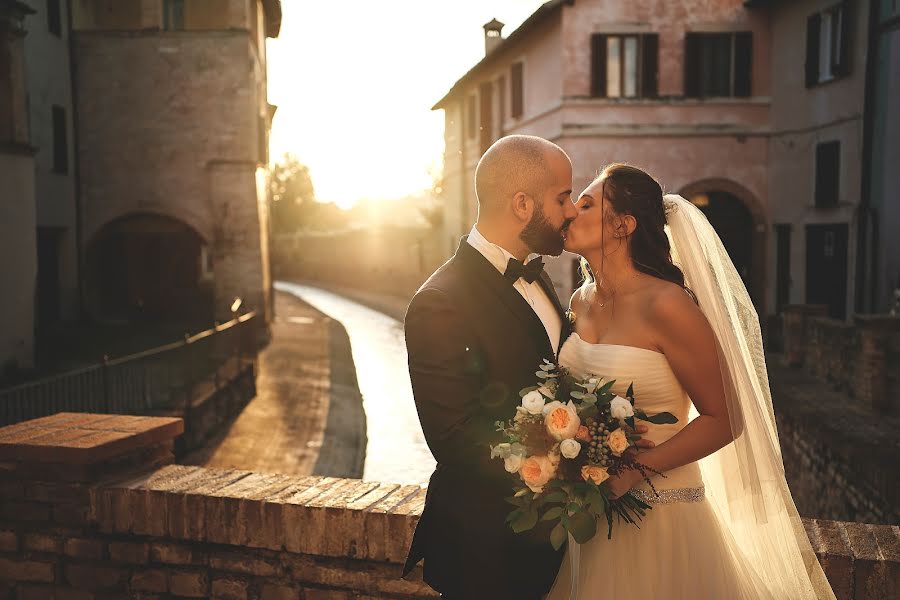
x=632, y=191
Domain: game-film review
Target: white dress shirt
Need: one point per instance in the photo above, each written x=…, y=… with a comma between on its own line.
x=533, y=293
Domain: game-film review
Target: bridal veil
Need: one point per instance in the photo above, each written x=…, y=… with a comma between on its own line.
x=745, y=480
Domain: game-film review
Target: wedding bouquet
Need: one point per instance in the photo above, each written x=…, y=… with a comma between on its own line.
x=569, y=436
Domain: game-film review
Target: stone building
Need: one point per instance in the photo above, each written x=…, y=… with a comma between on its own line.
x=18, y=218
x=51, y=117
x=133, y=146
x=173, y=125
x=718, y=100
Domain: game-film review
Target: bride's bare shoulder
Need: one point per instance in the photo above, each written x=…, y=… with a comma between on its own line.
x=667, y=301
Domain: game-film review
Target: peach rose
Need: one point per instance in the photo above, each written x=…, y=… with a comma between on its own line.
x=562, y=422
x=594, y=473
x=617, y=442
x=583, y=434
x=536, y=471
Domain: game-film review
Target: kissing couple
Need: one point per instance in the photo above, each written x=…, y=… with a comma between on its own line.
x=661, y=306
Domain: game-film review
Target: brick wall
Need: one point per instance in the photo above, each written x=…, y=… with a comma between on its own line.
x=194, y=532
x=861, y=358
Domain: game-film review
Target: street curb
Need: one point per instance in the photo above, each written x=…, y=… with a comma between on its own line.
x=343, y=451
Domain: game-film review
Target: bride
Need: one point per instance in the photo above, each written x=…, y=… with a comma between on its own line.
x=668, y=311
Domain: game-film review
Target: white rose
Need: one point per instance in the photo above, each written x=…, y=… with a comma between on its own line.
x=620, y=408
x=550, y=406
x=569, y=448
x=513, y=463
x=533, y=402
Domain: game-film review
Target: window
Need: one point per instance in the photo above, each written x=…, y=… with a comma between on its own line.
x=718, y=64
x=828, y=169
x=501, y=103
x=782, y=267
x=60, y=142
x=173, y=15
x=827, y=45
x=472, y=117
x=516, y=77
x=54, y=18
x=624, y=66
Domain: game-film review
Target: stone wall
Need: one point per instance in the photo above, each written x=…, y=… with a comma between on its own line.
x=861, y=358
x=117, y=524
x=389, y=260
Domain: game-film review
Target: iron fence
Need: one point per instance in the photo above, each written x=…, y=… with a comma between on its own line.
x=160, y=379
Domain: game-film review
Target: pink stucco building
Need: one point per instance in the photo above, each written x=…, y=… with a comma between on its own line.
x=682, y=89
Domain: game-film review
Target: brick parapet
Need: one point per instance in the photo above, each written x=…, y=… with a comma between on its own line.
x=196, y=532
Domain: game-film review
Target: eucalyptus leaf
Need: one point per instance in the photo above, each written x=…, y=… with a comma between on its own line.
x=577, y=395
x=527, y=391
x=541, y=374
x=558, y=536
x=522, y=492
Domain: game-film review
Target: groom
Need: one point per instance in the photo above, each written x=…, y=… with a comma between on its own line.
x=475, y=333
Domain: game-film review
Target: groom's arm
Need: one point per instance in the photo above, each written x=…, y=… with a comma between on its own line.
x=446, y=383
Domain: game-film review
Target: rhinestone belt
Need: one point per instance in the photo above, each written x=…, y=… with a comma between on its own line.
x=694, y=494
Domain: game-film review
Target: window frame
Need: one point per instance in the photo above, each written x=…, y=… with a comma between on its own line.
x=173, y=15
x=517, y=90
x=59, y=121
x=838, y=55
x=740, y=63
x=826, y=186
x=646, y=73
x=54, y=17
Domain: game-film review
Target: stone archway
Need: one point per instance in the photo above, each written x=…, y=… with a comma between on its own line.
x=149, y=266
x=740, y=221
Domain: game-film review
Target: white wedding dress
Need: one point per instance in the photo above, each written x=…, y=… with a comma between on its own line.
x=681, y=550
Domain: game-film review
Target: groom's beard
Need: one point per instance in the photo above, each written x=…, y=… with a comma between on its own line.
x=541, y=237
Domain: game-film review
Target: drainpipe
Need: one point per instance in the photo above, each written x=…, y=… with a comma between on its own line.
x=867, y=247
x=76, y=165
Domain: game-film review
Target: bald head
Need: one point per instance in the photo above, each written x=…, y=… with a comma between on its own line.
x=515, y=163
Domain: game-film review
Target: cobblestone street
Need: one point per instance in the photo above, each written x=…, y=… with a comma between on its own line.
x=283, y=428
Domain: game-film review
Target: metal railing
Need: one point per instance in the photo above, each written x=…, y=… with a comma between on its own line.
x=161, y=379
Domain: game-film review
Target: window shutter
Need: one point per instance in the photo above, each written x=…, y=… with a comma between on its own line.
x=812, y=49
x=828, y=168
x=692, y=49
x=842, y=66
x=517, y=84
x=649, y=65
x=598, y=65
x=743, y=64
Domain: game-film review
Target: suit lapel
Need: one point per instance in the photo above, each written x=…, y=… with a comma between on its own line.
x=491, y=278
x=566, y=329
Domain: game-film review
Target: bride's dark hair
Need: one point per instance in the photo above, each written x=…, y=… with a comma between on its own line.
x=632, y=191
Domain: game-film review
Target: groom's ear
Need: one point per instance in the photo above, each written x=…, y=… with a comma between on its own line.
x=523, y=206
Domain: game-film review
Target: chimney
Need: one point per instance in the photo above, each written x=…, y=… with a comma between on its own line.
x=492, y=37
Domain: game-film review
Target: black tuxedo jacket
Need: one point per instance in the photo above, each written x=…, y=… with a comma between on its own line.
x=473, y=343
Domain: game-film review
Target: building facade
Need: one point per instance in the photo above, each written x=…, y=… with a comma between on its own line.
x=51, y=118
x=18, y=218
x=718, y=100
x=133, y=153
x=173, y=126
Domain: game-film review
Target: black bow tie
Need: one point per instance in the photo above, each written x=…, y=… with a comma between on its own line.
x=529, y=272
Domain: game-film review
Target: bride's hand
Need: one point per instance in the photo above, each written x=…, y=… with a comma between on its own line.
x=641, y=444
x=621, y=483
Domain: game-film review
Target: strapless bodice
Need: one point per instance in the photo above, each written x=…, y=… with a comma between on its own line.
x=656, y=389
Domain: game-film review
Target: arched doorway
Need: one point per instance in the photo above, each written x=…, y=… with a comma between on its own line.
x=741, y=227
x=149, y=266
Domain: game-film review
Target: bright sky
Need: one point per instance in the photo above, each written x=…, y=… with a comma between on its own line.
x=354, y=82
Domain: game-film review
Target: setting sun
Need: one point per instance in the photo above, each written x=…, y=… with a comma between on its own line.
x=354, y=83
